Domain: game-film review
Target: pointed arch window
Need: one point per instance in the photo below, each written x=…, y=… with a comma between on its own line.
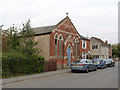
x=74, y=47
x=77, y=47
x=60, y=44
x=56, y=44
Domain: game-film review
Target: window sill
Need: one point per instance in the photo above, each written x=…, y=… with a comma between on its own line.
x=84, y=48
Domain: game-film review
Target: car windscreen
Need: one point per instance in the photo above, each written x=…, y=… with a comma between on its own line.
x=111, y=60
x=77, y=61
x=107, y=61
x=82, y=61
x=95, y=60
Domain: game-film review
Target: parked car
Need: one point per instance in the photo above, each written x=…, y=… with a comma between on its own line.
x=100, y=63
x=110, y=62
x=82, y=64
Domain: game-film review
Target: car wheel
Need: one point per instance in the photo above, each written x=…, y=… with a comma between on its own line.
x=73, y=70
x=101, y=67
x=105, y=66
x=95, y=69
x=87, y=70
x=113, y=65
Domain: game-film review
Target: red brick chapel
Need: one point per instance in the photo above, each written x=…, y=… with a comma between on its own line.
x=62, y=42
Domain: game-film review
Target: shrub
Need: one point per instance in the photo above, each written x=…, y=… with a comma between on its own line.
x=20, y=56
x=19, y=64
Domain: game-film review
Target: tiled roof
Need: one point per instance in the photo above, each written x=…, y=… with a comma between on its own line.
x=47, y=29
x=99, y=40
x=44, y=30
x=85, y=38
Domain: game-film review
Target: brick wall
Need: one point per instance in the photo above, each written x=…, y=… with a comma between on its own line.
x=69, y=33
x=84, y=50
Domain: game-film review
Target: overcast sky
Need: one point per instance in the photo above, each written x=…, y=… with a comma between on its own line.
x=98, y=18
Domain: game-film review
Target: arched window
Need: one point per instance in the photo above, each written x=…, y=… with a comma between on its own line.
x=60, y=44
x=77, y=47
x=56, y=44
x=74, y=46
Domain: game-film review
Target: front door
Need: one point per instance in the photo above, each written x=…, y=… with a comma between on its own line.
x=68, y=56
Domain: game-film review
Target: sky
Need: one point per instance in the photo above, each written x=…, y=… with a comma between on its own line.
x=98, y=18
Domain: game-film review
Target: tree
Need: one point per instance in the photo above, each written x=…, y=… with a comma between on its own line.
x=22, y=42
x=118, y=47
x=10, y=41
x=21, y=56
x=27, y=40
x=116, y=50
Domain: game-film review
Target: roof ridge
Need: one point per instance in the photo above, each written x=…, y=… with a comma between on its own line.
x=83, y=37
x=61, y=21
x=44, y=26
x=98, y=39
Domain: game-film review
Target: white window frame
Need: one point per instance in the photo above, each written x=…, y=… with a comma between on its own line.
x=85, y=44
x=84, y=55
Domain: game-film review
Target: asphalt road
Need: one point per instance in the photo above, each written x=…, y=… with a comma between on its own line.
x=106, y=78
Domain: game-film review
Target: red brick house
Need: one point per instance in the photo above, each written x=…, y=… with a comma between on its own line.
x=84, y=47
x=61, y=42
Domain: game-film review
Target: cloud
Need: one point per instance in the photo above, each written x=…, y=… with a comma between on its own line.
x=95, y=17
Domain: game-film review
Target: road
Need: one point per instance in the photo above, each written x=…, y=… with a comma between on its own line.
x=106, y=78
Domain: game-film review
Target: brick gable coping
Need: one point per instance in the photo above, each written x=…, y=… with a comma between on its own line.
x=49, y=29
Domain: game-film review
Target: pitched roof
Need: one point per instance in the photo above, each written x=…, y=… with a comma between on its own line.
x=47, y=29
x=44, y=30
x=99, y=40
x=85, y=38
x=61, y=21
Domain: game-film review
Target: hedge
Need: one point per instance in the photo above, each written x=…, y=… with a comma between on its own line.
x=19, y=64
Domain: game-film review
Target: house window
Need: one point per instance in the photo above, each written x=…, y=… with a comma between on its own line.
x=56, y=44
x=94, y=46
x=84, y=44
x=83, y=55
x=96, y=56
x=103, y=56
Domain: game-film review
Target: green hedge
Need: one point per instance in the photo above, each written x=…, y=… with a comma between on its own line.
x=19, y=64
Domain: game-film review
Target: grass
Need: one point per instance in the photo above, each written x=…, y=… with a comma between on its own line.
x=19, y=75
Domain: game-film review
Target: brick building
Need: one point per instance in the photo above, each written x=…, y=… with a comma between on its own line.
x=84, y=47
x=62, y=42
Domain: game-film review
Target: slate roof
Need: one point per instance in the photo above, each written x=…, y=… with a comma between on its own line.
x=44, y=30
x=47, y=29
x=85, y=38
x=99, y=40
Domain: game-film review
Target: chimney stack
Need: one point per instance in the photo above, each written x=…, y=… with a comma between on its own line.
x=106, y=42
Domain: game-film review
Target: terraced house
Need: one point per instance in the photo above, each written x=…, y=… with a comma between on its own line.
x=99, y=48
x=62, y=42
